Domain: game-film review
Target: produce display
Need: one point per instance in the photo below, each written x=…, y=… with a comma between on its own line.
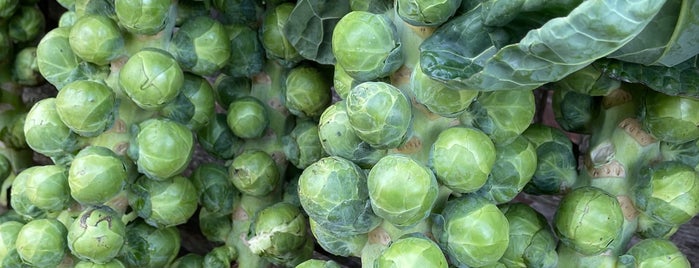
x=347, y=133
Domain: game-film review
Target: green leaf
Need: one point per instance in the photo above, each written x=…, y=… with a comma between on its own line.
x=310, y=27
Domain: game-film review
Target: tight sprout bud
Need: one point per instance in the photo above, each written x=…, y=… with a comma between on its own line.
x=307, y=92
x=201, y=45
x=46, y=133
x=402, y=191
x=272, y=36
x=302, y=146
x=380, y=114
x=668, y=192
x=164, y=203
x=588, y=220
x=412, y=251
x=248, y=56
x=151, y=78
x=215, y=190
x=333, y=192
x=217, y=139
x=254, y=173
x=97, y=235
x=67, y=19
x=26, y=24
x=462, y=158
x=96, y=39
x=502, y=115
x=42, y=243
x=96, y=175
x=7, y=8
x=150, y=247
x=670, y=118
x=230, y=88
x=437, y=97
x=142, y=16
x=655, y=252
x=162, y=148
x=474, y=232
x=25, y=69
x=40, y=189
x=340, y=244
x=247, y=117
x=8, y=236
x=277, y=230
x=86, y=107
x=366, y=45
x=532, y=244
x=427, y=13
x=57, y=62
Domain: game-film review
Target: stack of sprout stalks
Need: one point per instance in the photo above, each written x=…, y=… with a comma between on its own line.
x=371, y=133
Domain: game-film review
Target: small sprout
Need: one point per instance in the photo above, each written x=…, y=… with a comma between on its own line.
x=380, y=114
x=97, y=235
x=247, y=117
x=39, y=190
x=162, y=148
x=42, y=243
x=462, y=158
x=254, y=173
x=151, y=78
x=86, y=107
x=96, y=175
x=96, y=39
x=146, y=17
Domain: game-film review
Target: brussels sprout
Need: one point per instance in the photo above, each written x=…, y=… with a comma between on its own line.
x=97, y=235
x=366, y=45
x=669, y=118
x=7, y=8
x=515, y=164
x=46, y=133
x=114, y=263
x=198, y=94
x=67, y=19
x=318, y=264
x=247, y=117
x=437, y=97
x=164, y=203
x=25, y=69
x=217, y=138
x=462, y=158
x=214, y=189
x=655, y=252
x=426, y=13
x=162, y=148
x=151, y=78
x=272, y=38
x=412, y=251
x=148, y=246
x=86, y=107
x=340, y=244
x=247, y=58
x=42, y=243
x=380, y=114
x=574, y=111
x=338, y=138
x=277, y=230
x=26, y=24
x=8, y=237
x=306, y=91
x=96, y=39
x=556, y=165
x=502, y=115
x=141, y=16
x=254, y=173
x=302, y=146
x=220, y=257
x=40, y=189
x=333, y=192
x=532, y=244
x=189, y=260
x=201, y=45
x=230, y=88
x=96, y=175
x=402, y=191
x=473, y=231
x=588, y=220
x=215, y=226
x=12, y=133
x=668, y=191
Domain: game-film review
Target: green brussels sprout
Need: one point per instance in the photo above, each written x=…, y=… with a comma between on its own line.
x=86, y=107
x=26, y=24
x=556, y=165
x=277, y=230
x=150, y=247
x=96, y=175
x=473, y=231
x=151, y=78
x=215, y=226
x=588, y=220
x=40, y=189
x=254, y=173
x=515, y=164
x=220, y=257
x=67, y=19
x=164, y=203
x=247, y=117
x=338, y=138
x=668, y=192
x=247, y=58
x=655, y=252
x=340, y=244
x=46, y=133
x=670, y=118
x=201, y=45
x=302, y=146
x=502, y=115
x=412, y=251
x=402, y=191
x=230, y=88
x=462, y=158
x=195, y=105
x=366, y=45
x=96, y=39
x=215, y=191
x=8, y=236
x=12, y=133
x=161, y=148
x=437, y=97
x=380, y=114
x=217, y=139
x=189, y=260
x=141, y=16
x=7, y=8
x=333, y=192
x=114, y=263
x=574, y=111
x=276, y=45
x=306, y=91
x=96, y=235
x=42, y=243
x=532, y=244
x=25, y=70
x=318, y=264
x=427, y=13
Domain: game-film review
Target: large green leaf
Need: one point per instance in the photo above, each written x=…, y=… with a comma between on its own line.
x=679, y=80
x=310, y=27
